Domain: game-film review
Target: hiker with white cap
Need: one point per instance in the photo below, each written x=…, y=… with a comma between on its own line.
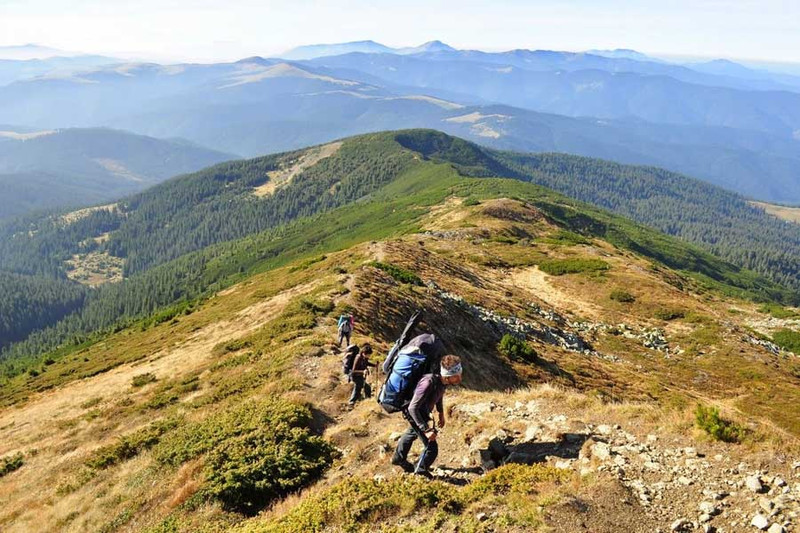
x=428, y=393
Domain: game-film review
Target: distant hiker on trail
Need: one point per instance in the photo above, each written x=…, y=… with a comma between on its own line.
x=359, y=372
x=419, y=366
x=345, y=327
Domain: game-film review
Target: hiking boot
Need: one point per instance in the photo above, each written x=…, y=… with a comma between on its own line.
x=424, y=473
x=402, y=463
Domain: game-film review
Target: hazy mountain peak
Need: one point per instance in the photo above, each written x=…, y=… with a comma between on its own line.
x=323, y=50
x=621, y=53
x=430, y=46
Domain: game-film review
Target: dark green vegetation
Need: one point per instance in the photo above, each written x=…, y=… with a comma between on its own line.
x=28, y=303
x=255, y=452
x=129, y=446
x=709, y=420
x=398, y=273
x=11, y=463
x=196, y=234
x=79, y=167
x=143, y=379
x=622, y=296
x=516, y=349
x=788, y=340
x=358, y=504
x=559, y=267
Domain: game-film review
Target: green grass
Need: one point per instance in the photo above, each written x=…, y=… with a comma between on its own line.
x=669, y=313
x=559, y=267
x=777, y=311
x=788, y=340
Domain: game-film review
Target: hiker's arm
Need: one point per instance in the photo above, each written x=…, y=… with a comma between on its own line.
x=415, y=408
x=440, y=409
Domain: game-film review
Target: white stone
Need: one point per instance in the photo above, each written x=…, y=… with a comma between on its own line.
x=683, y=480
x=601, y=450
x=776, y=528
x=754, y=484
x=678, y=525
x=604, y=429
x=708, y=508
x=779, y=481
x=760, y=521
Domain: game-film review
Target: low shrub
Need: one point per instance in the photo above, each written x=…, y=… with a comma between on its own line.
x=398, y=273
x=777, y=311
x=559, y=267
x=565, y=238
x=11, y=463
x=358, y=504
x=131, y=445
x=709, y=420
x=788, y=340
x=622, y=296
x=141, y=380
x=255, y=452
x=669, y=313
x=516, y=349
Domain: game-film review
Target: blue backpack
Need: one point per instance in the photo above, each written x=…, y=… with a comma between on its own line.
x=417, y=358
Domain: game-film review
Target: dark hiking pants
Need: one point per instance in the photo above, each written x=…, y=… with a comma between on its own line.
x=358, y=386
x=404, y=446
x=344, y=335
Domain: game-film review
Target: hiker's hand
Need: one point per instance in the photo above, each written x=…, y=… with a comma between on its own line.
x=431, y=435
x=441, y=420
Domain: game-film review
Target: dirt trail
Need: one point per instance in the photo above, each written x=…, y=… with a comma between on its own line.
x=539, y=284
x=32, y=421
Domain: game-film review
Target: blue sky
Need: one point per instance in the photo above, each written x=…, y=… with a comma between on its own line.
x=213, y=29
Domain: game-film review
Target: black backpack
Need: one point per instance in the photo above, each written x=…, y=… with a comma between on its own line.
x=349, y=358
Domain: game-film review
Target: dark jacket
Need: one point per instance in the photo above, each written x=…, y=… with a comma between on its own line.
x=429, y=393
x=361, y=363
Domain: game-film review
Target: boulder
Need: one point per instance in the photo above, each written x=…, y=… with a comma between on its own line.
x=679, y=525
x=776, y=528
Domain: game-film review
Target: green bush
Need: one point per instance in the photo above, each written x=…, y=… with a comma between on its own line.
x=516, y=349
x=559, y=267
x=788, y=340
x=141, y=380
x=255, y=452
x=669, y=313
x=565, y=238
x=777, y=311
x=359, y=504
x=11, y=463
x=709, y=420
x=623, y=296
x=130, y=445
x=398, y=273
x=471, y=201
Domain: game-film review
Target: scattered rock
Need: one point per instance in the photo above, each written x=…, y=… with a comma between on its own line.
x=754, y=483
x=776, y=528
x=679, y=525
x=760, y=521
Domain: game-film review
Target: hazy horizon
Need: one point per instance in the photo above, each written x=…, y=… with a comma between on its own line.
x=179, y=30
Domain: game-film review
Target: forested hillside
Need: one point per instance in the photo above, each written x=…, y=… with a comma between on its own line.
x=368, y=187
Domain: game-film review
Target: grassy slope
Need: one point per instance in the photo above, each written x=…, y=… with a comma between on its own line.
x=266, y=338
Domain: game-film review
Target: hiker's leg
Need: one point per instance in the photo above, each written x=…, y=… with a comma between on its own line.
x=429, y=455
x=404, y=444
x=341, y=336
x=358, y=385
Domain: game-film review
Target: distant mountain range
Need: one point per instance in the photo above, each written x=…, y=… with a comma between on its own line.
x=733, y=126
x=366, y=47
x=77, y=167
